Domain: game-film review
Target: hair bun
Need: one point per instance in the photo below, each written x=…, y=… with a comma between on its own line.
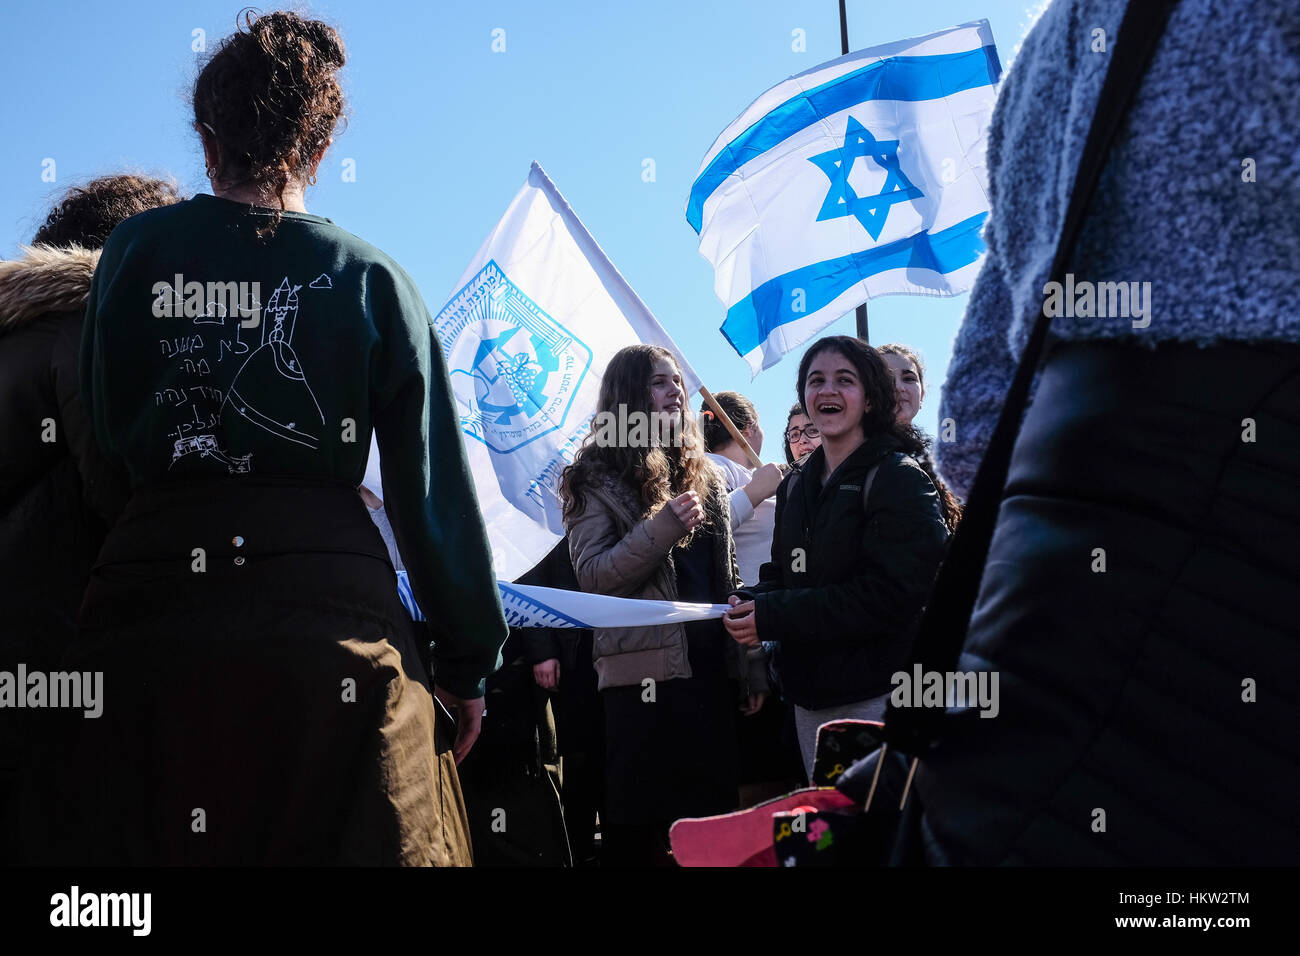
x=314, y=45
x=270, y=97
x=328, y=43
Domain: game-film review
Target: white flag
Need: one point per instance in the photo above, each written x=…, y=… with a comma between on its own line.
x=534, y=321
x=859, y=178
x=527, y=605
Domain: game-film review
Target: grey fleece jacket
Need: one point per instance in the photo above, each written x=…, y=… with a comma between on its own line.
x=1175, y=206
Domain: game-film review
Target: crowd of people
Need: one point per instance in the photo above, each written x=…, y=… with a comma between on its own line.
x=191, y=523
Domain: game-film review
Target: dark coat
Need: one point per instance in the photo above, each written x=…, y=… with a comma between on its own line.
x=56, y=493
x=1138, y=608
x=843, y=607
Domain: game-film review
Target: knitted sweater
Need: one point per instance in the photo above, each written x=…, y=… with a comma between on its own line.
x=1198, y=197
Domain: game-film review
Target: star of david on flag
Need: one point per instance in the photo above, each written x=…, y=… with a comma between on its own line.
x=842, y=200
x=860, y=178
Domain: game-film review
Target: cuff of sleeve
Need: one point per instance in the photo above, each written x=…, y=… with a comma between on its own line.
x=664, y=529
x=466, y=688
x=741, y=507
x=541, y=645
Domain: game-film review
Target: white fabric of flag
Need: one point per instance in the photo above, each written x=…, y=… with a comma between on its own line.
x=527, y=605
x=859, y=178
x=534, y=321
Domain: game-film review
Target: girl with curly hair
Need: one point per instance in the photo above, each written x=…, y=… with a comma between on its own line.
x=258, y=663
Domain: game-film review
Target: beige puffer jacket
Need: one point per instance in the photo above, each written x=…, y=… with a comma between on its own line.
x=618, y=552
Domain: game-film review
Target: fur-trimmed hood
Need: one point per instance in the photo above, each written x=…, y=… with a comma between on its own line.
x=44, y=279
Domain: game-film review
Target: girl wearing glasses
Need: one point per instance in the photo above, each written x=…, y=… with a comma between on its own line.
x=801, y=435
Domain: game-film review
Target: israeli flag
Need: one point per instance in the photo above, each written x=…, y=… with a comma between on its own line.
x=534, y=320
x=860, y=178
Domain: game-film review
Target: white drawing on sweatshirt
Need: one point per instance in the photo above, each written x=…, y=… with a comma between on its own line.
x=205, y=443
x=270, y=389
x=214, y=314
x=322, y=281
x=206, y=446
x=198, y=434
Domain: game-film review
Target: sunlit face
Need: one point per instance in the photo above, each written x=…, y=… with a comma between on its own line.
x=907, y=386
x=754, y=435
x=666, y=392
x=801, y=443
x=834, y=396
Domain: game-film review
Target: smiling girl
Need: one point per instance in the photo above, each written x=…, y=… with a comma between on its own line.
x=649, y=519
x=909, y=390
x=909, y=379
x=801, y=435
x=859, y=536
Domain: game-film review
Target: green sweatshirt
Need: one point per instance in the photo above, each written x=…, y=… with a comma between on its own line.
x=208, y=351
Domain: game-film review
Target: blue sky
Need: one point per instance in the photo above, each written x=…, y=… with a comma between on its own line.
x=442, y=130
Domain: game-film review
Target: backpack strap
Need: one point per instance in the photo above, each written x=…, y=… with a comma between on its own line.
x=866, y=484
x=942, y=631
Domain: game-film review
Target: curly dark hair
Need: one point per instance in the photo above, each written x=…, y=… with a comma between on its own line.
x=85, y=215
x=271, y=100
x=875, y=376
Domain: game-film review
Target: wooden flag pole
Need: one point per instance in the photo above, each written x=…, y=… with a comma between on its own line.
x=732, y=430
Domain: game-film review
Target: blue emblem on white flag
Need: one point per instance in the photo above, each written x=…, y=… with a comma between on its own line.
x=536, y=317
x=860, y=178
x=514, y=369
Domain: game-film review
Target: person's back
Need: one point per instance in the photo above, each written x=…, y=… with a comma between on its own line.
x=1136, y=602
x=223, y=352
x=265, y=680
x=1194, y=216
x=57, y=494
x=47, y=528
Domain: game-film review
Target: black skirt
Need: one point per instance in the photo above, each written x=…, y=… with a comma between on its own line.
x=676, y=755
x=263, y=698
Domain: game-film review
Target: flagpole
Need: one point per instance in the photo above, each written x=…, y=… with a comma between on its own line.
x=844, y=49
x=730, y=426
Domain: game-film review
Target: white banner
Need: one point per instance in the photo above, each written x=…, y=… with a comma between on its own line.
x=530, y=606
x=535, y=319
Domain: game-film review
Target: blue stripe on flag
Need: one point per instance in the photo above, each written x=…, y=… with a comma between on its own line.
x=751, y=320
x=407, y=596
x=907, y=78
x=528, y=603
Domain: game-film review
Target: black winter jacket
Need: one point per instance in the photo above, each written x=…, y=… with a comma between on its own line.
x=844, y=589
x=57, y=493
